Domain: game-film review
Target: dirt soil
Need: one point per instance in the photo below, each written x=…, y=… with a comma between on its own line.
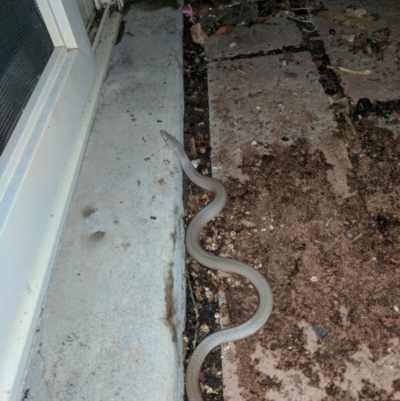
x=333, y=264
x=329, y=264
x=202, y=289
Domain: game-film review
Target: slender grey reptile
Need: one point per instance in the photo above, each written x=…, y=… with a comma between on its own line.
x=193, y=247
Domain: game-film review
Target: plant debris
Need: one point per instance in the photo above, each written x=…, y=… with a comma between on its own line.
x=374, y=45
x=348, y=70
x=354, y=17
x=199, y=35
x=222, y=16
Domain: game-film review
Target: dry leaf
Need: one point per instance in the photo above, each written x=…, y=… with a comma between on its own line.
x=220, y=3
x=356, y=13
x=361, y=41
x=224, y=30
x=381, y=36
x=198, y=34
x=192, y=98
x=259, y=20
x=318, y=63
x=202, y=10
x=354, y=18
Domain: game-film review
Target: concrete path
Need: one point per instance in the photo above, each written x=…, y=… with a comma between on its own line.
x=112, y=323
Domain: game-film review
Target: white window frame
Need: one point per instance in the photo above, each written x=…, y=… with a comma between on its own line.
x=38, y=169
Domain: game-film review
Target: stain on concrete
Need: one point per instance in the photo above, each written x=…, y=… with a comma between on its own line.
x=88, y=211
x=173, y=237
x=97, y=236
x=176, y=210
x=170, y=310
x=125, y=245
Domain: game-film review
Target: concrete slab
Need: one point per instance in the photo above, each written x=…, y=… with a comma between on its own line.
x=261, y=99
x=272, y=35
x=384, y=81
x=112, y=323
x=391, y=123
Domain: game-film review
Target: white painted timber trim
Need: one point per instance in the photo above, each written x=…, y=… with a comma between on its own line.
x=120, y=3
x=64, y=23
x=100, y=29
x=34, y=109
x=86, y=8
x=26, y=201
x=57, y=153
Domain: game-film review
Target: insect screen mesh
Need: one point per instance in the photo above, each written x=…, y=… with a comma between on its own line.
x=25, y=48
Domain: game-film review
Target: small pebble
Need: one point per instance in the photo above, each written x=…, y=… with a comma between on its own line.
x=320, y=331
x=196, y=163
x=332, y=32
